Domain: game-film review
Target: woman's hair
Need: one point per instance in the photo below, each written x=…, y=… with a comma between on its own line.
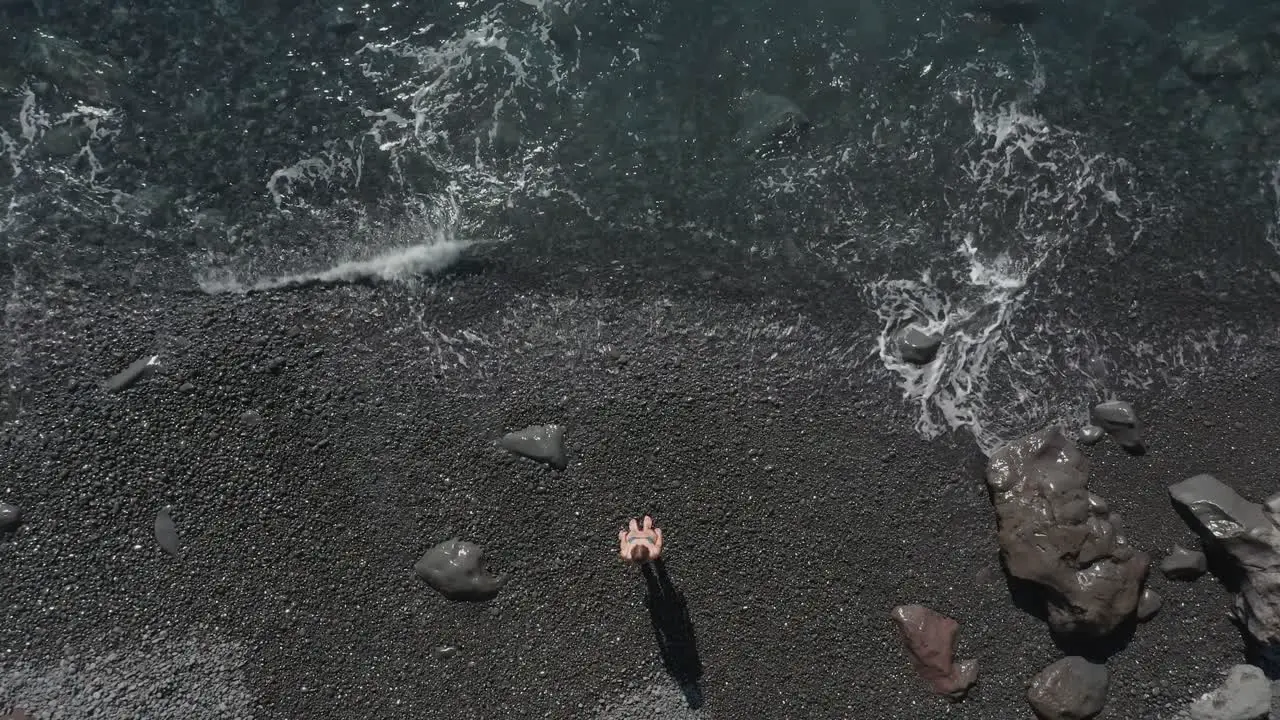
x=640, y=553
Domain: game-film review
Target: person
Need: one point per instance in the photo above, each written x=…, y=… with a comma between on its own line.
x=640, y=542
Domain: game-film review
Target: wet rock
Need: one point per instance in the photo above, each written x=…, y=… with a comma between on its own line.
x=1244, y=695
x=1119, y=420
x=917, y=346
x=770, y=122
x=456, y=569
x=1184, y=564
x=1248, y=534
x=1055, y=534
x=1149, y=604
x=1091, y=434
x=544, y=443
x=1070, y=689
x=10, y=516
x=930, y=640
x=124, y=379
x=167, y=533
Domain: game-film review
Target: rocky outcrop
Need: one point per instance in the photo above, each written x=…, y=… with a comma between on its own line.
x=1057, y=535
x=456, y=569
x=930, y=641
x=1070, y=689
x=1248, y=534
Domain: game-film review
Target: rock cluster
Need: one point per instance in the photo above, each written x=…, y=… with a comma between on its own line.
x=1054, y=533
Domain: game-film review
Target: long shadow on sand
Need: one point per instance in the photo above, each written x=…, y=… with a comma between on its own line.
x=673, y=629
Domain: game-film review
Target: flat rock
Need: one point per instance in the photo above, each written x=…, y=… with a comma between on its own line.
x=137, y=370
x=167, y=533
x=1057, y=535
x=10, y=516
x=930, y=640
x=1248, y=534
x=543, y=443
x=1184, y=564
x=456, y=569
x=1070, y=689
x=1244, y=695
x=917, y=346
x=1119, y=420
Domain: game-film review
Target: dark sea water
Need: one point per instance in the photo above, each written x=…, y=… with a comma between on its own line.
x=1084, y=205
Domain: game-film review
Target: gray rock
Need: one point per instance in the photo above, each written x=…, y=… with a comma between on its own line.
x=544, y=443
x=1244, y=695
x=1184, y=564
x=167, y=533
x=124, y=379
x=456, y=569
x=10, y=516
x=1091, y=434
x=1057, y=535
x=1070, y=689
x=1149, y=604
x=916, y=346
x=1119, y=420
x=770, y=122
x=1249, y=535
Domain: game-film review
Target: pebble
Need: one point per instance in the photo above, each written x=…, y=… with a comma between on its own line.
x=1091, y=434
x=1122, y=423
x=1184, y=564
x=130, y=375
x=1149, y=604
x=1070, y=689
x=10, y=516
x=167, y=532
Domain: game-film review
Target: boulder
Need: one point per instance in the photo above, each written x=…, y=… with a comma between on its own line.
x=1057, y=535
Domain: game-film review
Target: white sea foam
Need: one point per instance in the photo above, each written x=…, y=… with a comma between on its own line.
x=396, y=265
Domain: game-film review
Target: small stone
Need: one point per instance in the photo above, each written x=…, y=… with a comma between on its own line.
x=1184, y=564
x=140, y=368
x=456, y=569
x=543, y=443
x=1244, y=695
x=930, y=641
x=1070, y=689
x=10, y=516
x=1149, y=604
x=444, y=652
x=917, y=346
x=1091, y=434
x=276, y=365
x=167, y=533
x=250, y=417
x=1121, y=422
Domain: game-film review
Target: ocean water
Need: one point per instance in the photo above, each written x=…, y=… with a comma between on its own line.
x=962, y=174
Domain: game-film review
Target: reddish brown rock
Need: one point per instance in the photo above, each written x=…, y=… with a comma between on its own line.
x=930, y=640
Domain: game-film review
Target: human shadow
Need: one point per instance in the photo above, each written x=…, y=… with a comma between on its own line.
x=673, y=630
